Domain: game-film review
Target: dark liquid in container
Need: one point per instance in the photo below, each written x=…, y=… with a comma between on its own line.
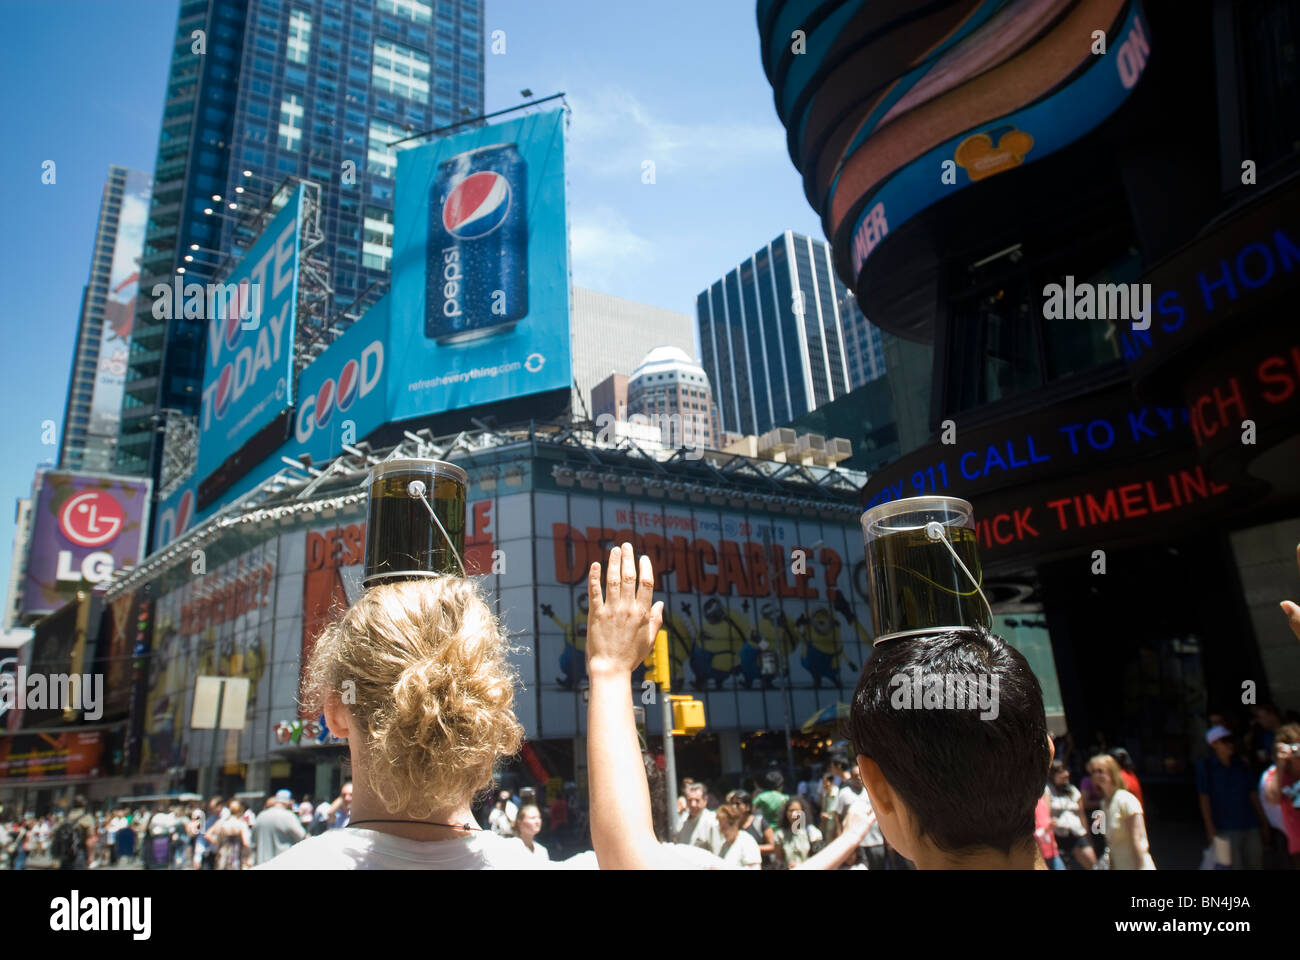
x=916, y=584
x=401, y=536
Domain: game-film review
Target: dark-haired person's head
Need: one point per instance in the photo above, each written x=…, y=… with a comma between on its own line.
x=774, y=781
x=1124, y=759
x=952, y=744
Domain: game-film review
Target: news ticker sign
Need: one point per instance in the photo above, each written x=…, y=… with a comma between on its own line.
x=1251, y=264
x=1081, y=434
x=84, y=527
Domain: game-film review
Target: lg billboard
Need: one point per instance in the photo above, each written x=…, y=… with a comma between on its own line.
x=84, y=526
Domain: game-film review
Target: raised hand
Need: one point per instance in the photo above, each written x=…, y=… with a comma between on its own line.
x=622, y=621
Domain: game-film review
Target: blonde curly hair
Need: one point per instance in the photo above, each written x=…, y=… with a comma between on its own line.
x=422, y=669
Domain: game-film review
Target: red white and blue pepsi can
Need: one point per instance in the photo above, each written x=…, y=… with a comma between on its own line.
x=477, y=283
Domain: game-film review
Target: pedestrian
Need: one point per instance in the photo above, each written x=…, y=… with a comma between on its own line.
x=1045, y=832
x=773, y=798
x=1129, y=771
x=230, y=839
x=70, y=839
x=829, y=823
x=1066, y=804
x=1284, y=787
x=529, y=824
x=503, y=815
x=739, y=848
x=872, y=853
x=796, y=837
x=277, y=828
x=1235, y=824
x=416, y=676
x=1127, y=847
x=700, y=826
x=1265, y=721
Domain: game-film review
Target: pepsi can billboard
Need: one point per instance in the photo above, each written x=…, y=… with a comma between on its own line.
x=480, y=295
x=478, y=238
x=248, y=371
x=84, y=528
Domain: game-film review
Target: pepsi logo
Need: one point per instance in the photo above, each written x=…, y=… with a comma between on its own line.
x=355, y=379
x=476, y=205
x=348, y=385
x=174, y=521
x=325, y=402
x=225, y=389
x=91, y=519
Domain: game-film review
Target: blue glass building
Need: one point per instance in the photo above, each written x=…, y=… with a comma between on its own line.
x=261, y=90
x=781, y=335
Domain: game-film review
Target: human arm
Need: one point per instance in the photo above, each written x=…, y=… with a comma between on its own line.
x=1272, y=789
x=1265, y=829
x=1208, y=818
x=1290, y=610
x=621, y=625
x=857, y=822
x=1138, y=837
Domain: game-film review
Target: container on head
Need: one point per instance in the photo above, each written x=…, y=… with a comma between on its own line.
x=923, y=568
x=415, y=520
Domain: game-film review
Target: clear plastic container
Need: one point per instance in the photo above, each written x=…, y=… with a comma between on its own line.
x=917, y=585
x=403, y=541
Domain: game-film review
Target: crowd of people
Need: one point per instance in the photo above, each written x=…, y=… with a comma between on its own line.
x=430, y=693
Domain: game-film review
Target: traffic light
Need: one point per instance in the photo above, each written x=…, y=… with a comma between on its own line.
x=688, y=716
x=658, y=666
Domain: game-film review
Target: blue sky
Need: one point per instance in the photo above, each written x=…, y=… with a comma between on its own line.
x=677, y=83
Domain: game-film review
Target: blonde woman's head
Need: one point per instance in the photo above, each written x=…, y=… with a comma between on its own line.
x=421, y=669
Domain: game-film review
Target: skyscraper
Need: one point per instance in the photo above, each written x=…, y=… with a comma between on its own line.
x=262, y=90
x=774, y=332
x=612, y=335
x=93, y=409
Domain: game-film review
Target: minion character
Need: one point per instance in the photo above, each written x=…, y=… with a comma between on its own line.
x=822, y=646
x=751, y=654
x=845, y=609
x=776, y=631
x=681, y=643
x=254, y=667
x=573, y=658
x=716, y=655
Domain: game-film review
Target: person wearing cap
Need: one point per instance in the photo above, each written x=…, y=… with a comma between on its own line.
x=1230, y=806
x=277, y=828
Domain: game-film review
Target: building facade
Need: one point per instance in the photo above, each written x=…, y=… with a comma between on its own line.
x=93, y=411
x=612, y=335
x=262, y=90
x=672, y=390
x=776, y=334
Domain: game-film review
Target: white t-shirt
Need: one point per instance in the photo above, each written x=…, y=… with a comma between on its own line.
x=1120, y=810
x=537, y=853
x=1272, y=811
x=355, y=848
x=701, y=832
x=846, y=798
x=743, y=852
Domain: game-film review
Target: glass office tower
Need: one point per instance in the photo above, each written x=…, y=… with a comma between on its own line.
x=781, y=335
x=262, y=90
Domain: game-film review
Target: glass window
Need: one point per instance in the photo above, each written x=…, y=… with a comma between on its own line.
x=381, y=158
x=400, y=70
x=298, y=44
x=291, y=117
x=1268, y=50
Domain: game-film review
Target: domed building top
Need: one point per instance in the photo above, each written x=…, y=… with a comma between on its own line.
x=665, y=364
